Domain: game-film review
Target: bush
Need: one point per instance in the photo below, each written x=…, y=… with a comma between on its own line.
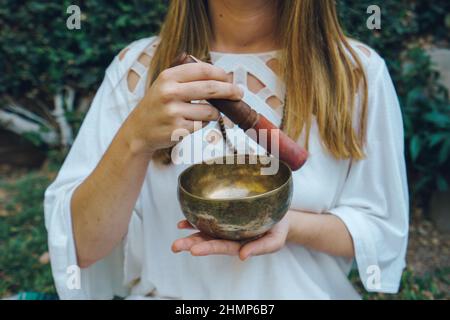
x=40, y=57
x=407, y=28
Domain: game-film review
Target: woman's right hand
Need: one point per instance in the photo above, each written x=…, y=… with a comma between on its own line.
x=167, y=105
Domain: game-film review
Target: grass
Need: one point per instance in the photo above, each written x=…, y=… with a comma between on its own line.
x=23, y=240
x=413, y=287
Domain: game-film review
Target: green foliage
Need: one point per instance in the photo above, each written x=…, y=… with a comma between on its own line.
x=407, y=26
x=39, y=56
x=430, y=286
x=23, y=238
x=427, y=123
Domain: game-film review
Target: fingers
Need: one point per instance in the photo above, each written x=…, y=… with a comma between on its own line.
x=185, y=244
x=199, y=112
x=194, y=72
x=186, y=127
x=209, y=89
x=200, y=244
x=181, y=128
x=216, y=247
x=184, y=224
x=269, y=243
x=187, y=118
x=197, y=81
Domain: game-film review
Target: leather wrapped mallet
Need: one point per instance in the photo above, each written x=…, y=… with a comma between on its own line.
x=246, y=118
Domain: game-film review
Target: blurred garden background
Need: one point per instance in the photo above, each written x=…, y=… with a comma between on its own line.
x=49, y=74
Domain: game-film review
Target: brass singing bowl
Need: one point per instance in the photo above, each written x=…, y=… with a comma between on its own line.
x=235, y=201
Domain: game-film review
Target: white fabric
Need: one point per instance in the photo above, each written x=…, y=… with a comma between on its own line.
x=370, y=196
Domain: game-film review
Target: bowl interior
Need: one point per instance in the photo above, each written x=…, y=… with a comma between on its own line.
x=232, y=181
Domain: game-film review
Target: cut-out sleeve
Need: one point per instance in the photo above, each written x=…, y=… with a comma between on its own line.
x=374, y=203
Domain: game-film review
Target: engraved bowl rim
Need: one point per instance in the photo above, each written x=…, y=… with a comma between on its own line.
x=262, y=195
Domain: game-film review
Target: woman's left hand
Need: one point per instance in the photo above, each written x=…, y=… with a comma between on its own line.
x=200, y=244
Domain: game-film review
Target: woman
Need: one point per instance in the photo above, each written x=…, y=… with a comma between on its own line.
x=113, y=209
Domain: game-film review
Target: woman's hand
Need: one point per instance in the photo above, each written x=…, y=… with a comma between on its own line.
x=199, y=244
x=167, y=105
x=319, y=232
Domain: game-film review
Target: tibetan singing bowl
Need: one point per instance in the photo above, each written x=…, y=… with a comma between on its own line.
x=235, y=201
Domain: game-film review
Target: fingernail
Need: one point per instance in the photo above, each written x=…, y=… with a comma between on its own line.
x=247, y=257
x=178, y=247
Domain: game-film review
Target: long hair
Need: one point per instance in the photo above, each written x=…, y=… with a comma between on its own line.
x=321, y=71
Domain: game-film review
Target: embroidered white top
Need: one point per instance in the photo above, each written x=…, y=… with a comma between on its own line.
x=370, y=196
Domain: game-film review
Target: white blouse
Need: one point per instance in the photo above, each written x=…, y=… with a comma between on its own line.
x=370, y=196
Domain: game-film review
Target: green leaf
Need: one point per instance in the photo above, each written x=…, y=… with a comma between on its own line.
x=447, y=21
x=442, y=184
x=415, y=147
x=437, y=138
x=421, y=184
x=439, y=119
x=444, y=152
